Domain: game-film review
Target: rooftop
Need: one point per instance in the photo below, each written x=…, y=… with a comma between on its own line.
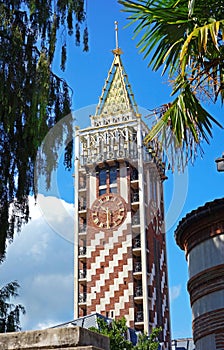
x=117, y=96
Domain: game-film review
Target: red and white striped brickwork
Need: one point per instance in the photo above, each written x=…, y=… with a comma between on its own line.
x=110, y=280
x=110, y=273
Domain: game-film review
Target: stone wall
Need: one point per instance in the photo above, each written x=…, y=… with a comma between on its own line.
x=70, y=338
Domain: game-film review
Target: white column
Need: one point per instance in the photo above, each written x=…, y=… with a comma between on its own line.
x=76, y=223
x=142, y=228
x=123, y=182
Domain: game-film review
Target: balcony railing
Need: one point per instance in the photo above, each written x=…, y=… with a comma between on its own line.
x=82, y=274
x=135, y=197
x=137, y=243
x=138, y=291
x=134, y=175
x=137, y=267
x=82, y=297
x=82, y=206
x=82, y=250
x=139, y=316
x=82, y=228
x=136, y=220
x=82, y=185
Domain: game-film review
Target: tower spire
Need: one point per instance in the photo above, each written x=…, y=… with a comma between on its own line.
x=116, y=34
x=117, y=96
x=117, y=50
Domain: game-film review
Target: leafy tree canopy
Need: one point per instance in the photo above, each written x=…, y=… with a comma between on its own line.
x=185, y=38
x=116, y=330
x=33, y=98
x=10, y=313
x=149, y=342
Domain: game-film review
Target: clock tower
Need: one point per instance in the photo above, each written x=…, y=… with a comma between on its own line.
x=120, y=247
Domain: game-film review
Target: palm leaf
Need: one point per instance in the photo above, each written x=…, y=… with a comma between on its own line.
x=200, y=36
x=185, y=113
x=181, y=129
x=186, y=39
x=155, y=23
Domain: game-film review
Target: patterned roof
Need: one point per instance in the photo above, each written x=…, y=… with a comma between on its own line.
x=117, y=96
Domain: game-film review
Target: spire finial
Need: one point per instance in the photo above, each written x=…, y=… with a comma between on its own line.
x=116, y=34
x=117, y=50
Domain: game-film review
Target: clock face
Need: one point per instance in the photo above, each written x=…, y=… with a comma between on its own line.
x=108, y=211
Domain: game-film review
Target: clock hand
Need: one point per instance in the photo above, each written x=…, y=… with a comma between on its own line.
x=103, y=208
x=108, y=218
x=108, y=213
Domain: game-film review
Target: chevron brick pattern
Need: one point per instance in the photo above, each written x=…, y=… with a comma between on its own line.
x=109, y=273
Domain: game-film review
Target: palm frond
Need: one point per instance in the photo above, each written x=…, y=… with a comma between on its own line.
x=185, y=113
x=163, y=31
x=186, y=39
x=182, y=126
x=197, y=42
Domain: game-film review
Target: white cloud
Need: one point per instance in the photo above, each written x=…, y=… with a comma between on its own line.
x=174, y=292
x=57, y=213
x=44, y=325
x=41, y=260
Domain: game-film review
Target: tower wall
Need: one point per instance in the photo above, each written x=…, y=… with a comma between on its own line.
x=201, y=235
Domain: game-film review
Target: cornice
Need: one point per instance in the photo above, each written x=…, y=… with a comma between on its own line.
x=200, y=224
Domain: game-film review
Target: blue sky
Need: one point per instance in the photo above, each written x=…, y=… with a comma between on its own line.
x=41, y=260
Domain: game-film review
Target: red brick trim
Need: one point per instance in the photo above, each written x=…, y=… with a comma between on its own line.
x=206, y=282
x=209, y=323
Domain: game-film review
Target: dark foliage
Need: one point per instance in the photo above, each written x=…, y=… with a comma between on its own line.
x=33, y=99
x=9, y=313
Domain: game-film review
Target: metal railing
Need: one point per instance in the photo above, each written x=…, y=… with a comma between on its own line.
x=82, y=228
x=137, y=266
x=139, y=316
x=82, y=297
x=134, y=175
x=138, y=291
x=82, y=250
x=82, y=206
x=82, y=185
x=135, y=197
x=136, y=220
x=136, y=243
x=82, y=274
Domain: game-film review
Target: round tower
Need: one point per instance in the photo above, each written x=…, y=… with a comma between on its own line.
x=201, y=235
